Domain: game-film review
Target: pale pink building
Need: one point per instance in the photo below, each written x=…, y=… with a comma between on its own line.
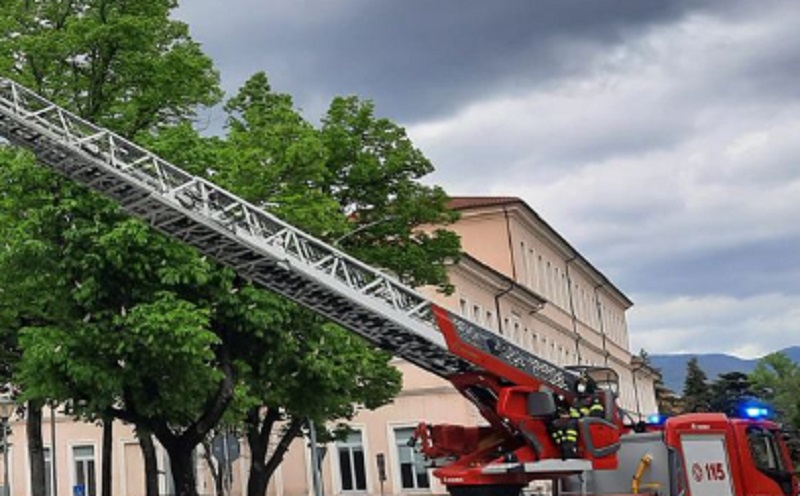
x=518, y=277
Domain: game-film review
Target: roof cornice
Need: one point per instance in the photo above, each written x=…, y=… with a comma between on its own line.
x=490, y=204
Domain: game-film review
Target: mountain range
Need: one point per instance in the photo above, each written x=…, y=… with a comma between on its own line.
x=673, y=367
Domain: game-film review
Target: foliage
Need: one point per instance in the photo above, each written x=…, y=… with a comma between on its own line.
x=120, y=321
x=728, y=391
x=127, y=65
x=322, y=371
x=776, y=378
x=374, y=172
x=696, y=393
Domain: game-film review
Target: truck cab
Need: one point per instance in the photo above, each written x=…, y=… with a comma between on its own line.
x=724, y=456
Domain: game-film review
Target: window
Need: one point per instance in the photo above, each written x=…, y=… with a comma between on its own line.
x=549, y=283
x=413, y=472
x=526, y=270
x=489, y=320
x=83, y=458
x=462, y=306
x=764, y=449
x=557, y=287
x=352, y=471
x=476, y=314
x=48, y=471
x=540, y=275
x=768, y=456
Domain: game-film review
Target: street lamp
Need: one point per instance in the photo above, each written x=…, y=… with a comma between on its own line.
x=6, y=409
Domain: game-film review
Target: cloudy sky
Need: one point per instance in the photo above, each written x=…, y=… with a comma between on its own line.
x=660, y=138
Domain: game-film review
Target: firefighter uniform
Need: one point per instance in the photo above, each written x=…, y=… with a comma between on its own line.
x=565, y=428
x=588, y=405
x=565, y=435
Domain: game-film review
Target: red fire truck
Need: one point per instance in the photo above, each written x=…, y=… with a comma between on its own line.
x=516, y=392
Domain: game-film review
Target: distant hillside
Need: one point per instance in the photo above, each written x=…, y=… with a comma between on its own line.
x=673, y=367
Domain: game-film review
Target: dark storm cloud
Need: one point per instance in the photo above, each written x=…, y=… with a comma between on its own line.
x=415, y=59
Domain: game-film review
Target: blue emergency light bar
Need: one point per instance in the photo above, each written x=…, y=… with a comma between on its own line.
x=756, y=412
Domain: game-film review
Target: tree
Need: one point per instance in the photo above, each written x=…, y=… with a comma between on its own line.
x=776, y=379
x=728, y=391
x=149, y=350
x=354, y=182
x=374, y=174
x=696, y=392
x=126, y=65
x=95, y=274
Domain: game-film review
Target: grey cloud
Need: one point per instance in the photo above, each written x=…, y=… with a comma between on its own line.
x=742, y=271
x=658, y=137
x=415, y=59
x=714, y=323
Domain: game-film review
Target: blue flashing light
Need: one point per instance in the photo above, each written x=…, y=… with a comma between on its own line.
x=656, y=419
x=756, y=412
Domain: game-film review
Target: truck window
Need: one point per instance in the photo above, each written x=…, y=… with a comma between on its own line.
x=765, y=450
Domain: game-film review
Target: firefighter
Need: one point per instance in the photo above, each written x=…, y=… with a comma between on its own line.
x=564, y=429
x=586, y=403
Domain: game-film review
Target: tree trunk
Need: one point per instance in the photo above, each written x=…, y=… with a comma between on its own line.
x=181, y=460
x=258, y=434
x=150, y=462
x=259, y=479
x=108, y=452
x=36, y=448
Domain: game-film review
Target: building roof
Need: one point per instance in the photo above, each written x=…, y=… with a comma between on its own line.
x=465, y=202
x=477, y=202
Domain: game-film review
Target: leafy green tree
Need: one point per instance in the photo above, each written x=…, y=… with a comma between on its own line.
x=315, y=180
x=696, y=393
x=30, y=295
x=124, y=64
x=776, y=378
x=127, y=65
x=374, y=174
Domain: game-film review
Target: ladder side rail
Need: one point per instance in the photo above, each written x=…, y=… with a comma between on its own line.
x=215, y=221
x=255, y=243
x=197, y=194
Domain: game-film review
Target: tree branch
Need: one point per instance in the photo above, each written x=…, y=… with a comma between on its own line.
x=283, y=446
x=216, y=405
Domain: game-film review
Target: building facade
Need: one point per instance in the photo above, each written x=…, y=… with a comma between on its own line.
x=517, y=277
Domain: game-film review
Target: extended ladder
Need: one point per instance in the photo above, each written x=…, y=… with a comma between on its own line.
x=256, y=244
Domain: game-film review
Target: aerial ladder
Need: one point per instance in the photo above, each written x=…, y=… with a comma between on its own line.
x=515, y=391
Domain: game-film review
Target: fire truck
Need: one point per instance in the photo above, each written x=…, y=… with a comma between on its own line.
x=517, y=393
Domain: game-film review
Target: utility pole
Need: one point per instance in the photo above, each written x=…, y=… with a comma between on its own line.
x=315, y=462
